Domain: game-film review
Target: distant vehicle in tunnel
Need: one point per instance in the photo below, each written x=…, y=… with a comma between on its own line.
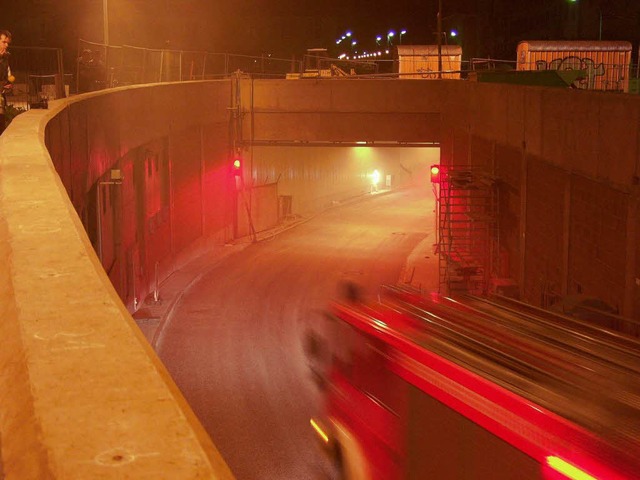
x=426, y=387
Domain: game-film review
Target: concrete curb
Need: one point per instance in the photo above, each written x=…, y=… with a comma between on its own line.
x=421, y=268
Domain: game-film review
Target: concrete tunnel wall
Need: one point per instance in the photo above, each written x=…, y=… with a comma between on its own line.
x=175, y=188
x=567, y=163
x=568, y=168
x=177, y=192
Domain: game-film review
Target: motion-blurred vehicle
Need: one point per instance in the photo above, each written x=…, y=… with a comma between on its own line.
x=425, y=386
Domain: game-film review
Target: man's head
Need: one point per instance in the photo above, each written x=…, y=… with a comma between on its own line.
x=5, y=40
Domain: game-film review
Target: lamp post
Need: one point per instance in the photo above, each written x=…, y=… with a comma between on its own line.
x=389, y=37
x=439, y=38
x=402, y=32
x=105, y=22
x=600, y=24
x=599, y=7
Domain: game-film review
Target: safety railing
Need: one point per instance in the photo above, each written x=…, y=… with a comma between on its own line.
x=104, y=66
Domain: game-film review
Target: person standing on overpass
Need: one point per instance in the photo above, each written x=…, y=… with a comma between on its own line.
x=5, y=75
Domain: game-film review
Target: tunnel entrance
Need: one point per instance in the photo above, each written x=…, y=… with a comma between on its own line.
x=311, y=177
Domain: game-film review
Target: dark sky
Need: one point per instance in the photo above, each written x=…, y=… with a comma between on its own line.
x=288, y=27
x=242, y=26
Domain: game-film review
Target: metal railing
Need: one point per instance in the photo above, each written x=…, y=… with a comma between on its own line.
x=40, y=74
x=100, y=66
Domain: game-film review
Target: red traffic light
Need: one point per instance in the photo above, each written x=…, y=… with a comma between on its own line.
x=237, y=167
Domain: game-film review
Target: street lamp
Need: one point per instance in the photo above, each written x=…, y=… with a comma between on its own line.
x=402, y=32
x=389, y=37
x=378, y=39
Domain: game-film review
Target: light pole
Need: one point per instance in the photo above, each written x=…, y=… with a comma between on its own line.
x=600, y=24
x=599, y=7
x=389, y=37
x=439, y=38
x=402, y=32
x=105, y=22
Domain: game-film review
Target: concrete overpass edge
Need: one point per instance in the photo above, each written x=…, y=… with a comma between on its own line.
x=82, y=393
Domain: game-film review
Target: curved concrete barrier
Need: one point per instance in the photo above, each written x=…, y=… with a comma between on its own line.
x=82, y=394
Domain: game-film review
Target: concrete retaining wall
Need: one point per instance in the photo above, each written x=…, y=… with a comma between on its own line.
x=568, y=166
x=82, y=394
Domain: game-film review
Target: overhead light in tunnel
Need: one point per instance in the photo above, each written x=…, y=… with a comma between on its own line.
x=361, y=143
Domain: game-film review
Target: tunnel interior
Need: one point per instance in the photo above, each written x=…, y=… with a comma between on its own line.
x=313, y=177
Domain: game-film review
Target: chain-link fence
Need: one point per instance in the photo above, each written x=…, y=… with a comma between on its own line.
x=40, y=75
x=100, y=66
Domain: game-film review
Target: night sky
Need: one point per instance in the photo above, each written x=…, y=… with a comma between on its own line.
x=288, y=27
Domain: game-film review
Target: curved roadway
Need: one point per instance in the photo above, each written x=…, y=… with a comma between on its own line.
x=234, y=342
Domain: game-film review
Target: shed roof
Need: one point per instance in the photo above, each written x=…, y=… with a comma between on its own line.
x=576, y=46
x=427, y=50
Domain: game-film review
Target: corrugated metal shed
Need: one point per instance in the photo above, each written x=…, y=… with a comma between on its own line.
x=576, y=46
x=421, y=61
x=606, y=63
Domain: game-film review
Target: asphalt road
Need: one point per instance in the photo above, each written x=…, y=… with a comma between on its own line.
x=234, y=342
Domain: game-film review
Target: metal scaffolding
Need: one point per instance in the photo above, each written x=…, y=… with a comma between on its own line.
x=467, y=229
